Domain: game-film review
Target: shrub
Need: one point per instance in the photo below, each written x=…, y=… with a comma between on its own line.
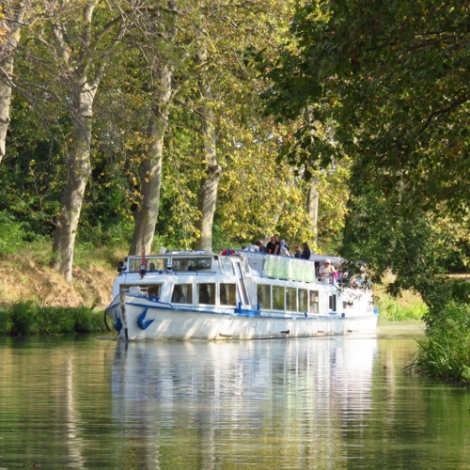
x=5, y=324
x=29, y=318
x=86, y=320
x=23, y=317
x=393, y=310
x=445, y=352
x=12, y=233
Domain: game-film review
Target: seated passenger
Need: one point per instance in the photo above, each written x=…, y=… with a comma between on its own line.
x=270, y=246
x=257, y=247
x=152, y=267
x=204, y=296
x=178, y=297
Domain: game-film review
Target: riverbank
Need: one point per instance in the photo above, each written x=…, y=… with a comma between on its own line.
x=34, y=298
x=26, y=278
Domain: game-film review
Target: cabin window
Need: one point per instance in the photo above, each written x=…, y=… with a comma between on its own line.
x=303, y=300
x=313, y=301
x=278, y=297
x=154, y=290
x=123, y=289
x=228, y=294
x=156, y=264
x=333, y=303
x=151, y=264
x=206, y=293
x=291, y=299
x=147, y=290
x=264, y=296
x=182, y=294
x=192, y=264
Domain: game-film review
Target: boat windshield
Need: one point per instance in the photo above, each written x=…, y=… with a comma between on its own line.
x=192, y=264
x=151, y=264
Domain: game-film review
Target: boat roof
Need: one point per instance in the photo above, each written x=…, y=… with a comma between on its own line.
x=334, y=260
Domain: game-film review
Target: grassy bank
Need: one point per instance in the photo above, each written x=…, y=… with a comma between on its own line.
x=35, y=299
x=408, y=306
x=26, y=276
x=445, y=352
x=26, y=318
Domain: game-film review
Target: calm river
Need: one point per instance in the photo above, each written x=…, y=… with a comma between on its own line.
x=327, y=403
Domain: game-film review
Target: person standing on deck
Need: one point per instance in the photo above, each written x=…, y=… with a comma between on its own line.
x=326, y=271
x=306, y=253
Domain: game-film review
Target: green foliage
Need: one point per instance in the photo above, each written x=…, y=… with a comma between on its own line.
x=384, y=78
x=391, y=234
x=26, y=318
x=12, y=233
x=392, y=310
x=5, y=322
x=445, y=352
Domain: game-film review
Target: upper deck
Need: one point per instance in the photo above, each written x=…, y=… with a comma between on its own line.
x=257, y=264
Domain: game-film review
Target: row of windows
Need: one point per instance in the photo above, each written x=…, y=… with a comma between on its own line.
x=287, y=298
x=269, y=297
x=176, y=264
x=206, y=294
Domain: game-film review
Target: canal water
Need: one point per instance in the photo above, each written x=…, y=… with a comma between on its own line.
x=324, y=403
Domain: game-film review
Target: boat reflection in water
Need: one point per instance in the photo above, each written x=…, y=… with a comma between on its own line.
x=243, y=401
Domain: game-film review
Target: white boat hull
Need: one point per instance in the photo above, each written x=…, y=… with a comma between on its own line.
x=146, y=319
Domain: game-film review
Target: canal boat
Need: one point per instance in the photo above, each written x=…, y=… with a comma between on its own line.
x=233, y=295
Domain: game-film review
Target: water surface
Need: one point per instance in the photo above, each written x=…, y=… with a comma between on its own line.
x=339, y=403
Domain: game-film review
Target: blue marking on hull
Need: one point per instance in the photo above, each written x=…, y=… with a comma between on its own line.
x=141, y=322
x=117, y=325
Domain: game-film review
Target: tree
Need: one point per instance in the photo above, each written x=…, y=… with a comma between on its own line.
x=79, y=38
x=157, y=44
x=11, y=20
x=226, y=87
x=392, y=77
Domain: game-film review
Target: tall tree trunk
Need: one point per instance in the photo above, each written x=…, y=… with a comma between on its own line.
x=9, y=37
x=82, y=65
x=146, y=218
x=78, y=172
x=312, y=206
x=207, y=200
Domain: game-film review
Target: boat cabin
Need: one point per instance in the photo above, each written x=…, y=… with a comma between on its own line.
x=238, y=282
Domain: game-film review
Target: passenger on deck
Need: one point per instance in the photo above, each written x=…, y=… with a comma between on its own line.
x=284, y=249
x=257, y=247
x=152, y=267
x=298, y=252
x=270, y=246
x=277, y=245
x=305, y=251
x=326, y=271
